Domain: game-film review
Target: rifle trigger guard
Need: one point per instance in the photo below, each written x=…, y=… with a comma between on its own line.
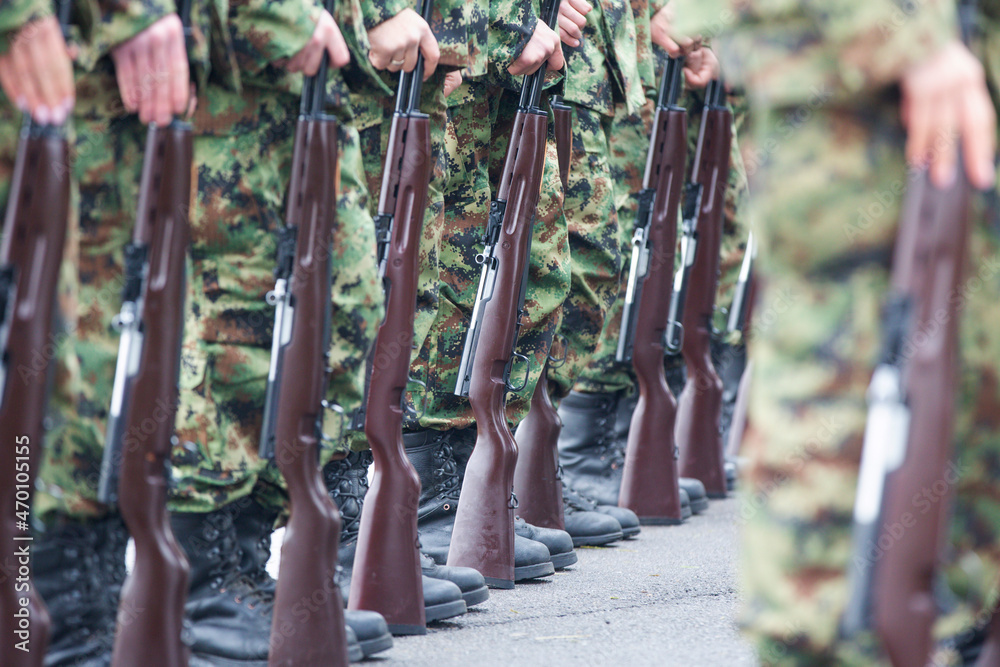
x=423, y=407
x=527, y=371
x=560, y=361
x=668, y=346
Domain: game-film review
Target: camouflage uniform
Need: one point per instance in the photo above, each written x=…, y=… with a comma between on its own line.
x=479, y=119
x=599, y=78
x=629, y=144
x=106, y=161
x=826, y=118
x=243, y=146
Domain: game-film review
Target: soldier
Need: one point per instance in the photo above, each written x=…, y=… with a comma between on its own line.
x=480, y=111
x=78, y=557
x=600, y=76
x=829, y=200
x=597, y=413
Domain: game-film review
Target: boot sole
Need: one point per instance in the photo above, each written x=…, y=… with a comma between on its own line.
x=699, y=506
x=629, y=533
x=560, y=561
x=659, y=521
x=476, y=596
x=439, y=612
x=378, y=644
x=717, y=496
x=597, y=540
x=546, y=569
x=398, y=630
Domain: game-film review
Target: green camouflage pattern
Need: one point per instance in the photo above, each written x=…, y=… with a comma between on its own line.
x=243, y=149
x=462, y=31
x=479, y=121
x=784, y=52
x=815, y=343
x=602, y=71
x=594, y=243
x=629, y=146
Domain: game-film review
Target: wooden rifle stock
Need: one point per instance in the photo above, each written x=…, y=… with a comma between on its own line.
x=650, y=486
x=30, y=257
x=700, y=403
x=536, y=477
x=927, y=267
x=151, y=608
x=387, y=572
x=483, y=537
x=308, y=566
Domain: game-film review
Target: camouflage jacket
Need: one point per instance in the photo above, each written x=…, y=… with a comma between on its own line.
x=787, y=53
x=604, y=69
x=263, y=32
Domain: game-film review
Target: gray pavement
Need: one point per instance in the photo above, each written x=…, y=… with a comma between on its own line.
x=666, y=598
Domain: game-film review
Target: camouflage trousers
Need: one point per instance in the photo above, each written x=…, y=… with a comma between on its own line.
x=827, y=202
x=592, y=221
x=629, y=146
x=242, y=154
x=479, y=123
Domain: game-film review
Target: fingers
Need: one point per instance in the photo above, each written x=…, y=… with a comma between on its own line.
x=569, y=32
x=943, y=144
x=142, y=63
x=155, y=105
x=179, y=92
x=431, y=52
x=556, y=60
x=36, y=72
x=544, y=43
x=978, y=122
x=340, y=56
x=452, y=80
x=575, y=13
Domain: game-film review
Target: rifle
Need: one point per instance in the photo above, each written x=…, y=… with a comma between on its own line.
x=537, y=483
x=908, y=436
x=650, y=484
x=387, y=572
x=30, y=257
x=296, y=384
x=483, y=537
x=700, y=403
x=151, y=322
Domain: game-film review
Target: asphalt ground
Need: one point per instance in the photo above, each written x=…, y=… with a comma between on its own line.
x=666, y=598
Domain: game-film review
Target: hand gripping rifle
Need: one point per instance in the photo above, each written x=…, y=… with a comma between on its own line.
x=908, y=436
x=650, y=480
x=537, y=484
x=700, y=403
x=30, y=256
x=387, y=573
x=296, y=384
x=483, y=537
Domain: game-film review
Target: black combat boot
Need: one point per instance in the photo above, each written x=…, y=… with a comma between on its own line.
x=347, y=481
x=440, y=458
x=575, y=504
x=695, y=490
x=78, y=568
x=591, y=463
x=254, y=526
x=230, y=614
